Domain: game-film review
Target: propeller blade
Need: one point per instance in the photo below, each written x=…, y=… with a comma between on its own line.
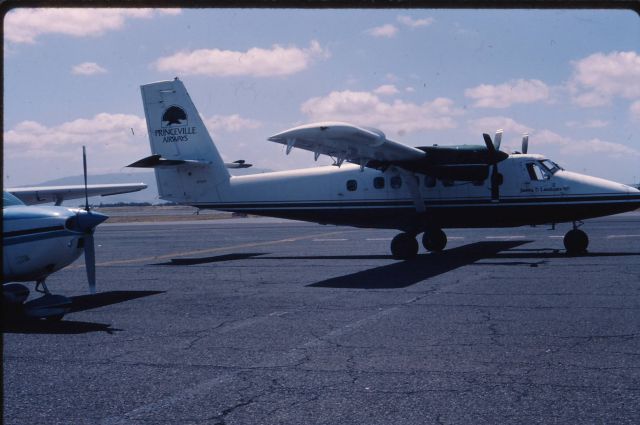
x=490, y=147
x=498, y=139
x=84, y=167
x=90, y=261
x=525, y=143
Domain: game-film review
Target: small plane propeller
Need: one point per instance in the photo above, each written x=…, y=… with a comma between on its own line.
x=87, y=223
x=495, y=156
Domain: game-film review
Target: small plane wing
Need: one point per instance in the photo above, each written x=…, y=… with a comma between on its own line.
x=57, y=194
x=344, y=141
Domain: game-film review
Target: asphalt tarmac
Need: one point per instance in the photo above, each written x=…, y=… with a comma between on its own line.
x=258, y=321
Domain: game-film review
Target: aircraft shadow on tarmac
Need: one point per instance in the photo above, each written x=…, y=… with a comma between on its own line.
x=410, y=272
x=15, y=324
x=205, y=260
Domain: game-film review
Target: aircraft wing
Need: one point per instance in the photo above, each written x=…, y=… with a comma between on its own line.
x=57, y=194
x=344, y=141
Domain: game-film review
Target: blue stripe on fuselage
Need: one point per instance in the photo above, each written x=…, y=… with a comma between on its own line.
x=43, y=235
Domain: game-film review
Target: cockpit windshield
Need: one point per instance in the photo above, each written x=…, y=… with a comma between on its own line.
x=10, y=200
x=550, y=166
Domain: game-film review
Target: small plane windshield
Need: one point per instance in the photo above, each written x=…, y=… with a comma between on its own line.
x=9, y=200
x=550, y=166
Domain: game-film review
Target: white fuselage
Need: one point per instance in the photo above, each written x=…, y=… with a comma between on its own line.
x=36, y=242
x=329, y=195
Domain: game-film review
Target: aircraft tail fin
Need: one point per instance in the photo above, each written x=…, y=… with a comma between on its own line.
x=188, y=166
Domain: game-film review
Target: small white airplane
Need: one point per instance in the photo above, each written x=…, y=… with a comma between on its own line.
x=38, y=241
x=57, y=194
x=385, y=184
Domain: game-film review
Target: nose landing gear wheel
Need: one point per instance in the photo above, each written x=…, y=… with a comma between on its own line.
x=404, y=246
x=434, y=240
x=576, y=242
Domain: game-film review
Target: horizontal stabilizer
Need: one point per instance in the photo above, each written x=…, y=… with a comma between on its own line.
x=241, y=163
x=154, y=161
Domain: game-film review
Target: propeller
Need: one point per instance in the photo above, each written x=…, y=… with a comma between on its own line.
x=84, y=169
x=495, y=156
x=525, y=142
x=87, y=223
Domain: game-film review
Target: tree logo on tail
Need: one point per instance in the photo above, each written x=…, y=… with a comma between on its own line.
x=174, y=116
x=174, y=126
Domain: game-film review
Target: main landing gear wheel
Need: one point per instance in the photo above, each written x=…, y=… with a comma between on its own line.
x=404, y=246
x=434, y=240
x=576, y=242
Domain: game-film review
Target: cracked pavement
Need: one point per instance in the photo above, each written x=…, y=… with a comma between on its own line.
x=279, y=328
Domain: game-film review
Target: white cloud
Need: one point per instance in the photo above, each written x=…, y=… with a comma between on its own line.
x=392, y=77
x=587, y=124
x=489, y=125
x=409, y=89
x=509, y=93
x=230, y=123
x=107, y=137
x=365, y=108
x=415, y=23
x=88, y=68
x=634, y=110
x=600, y=77
x=256, y=62
x=386, y=89
x=564, y=145
x=24, y=25
x=583, y=147
x=386, y=30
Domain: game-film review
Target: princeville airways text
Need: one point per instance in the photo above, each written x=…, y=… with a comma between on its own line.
x=179, y=134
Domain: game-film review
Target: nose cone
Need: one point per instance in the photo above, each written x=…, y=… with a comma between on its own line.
x=581, y=184
x=634, y=190
x=85, y=221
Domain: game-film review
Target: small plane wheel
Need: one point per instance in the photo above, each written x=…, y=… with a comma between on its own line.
x=404, y=246
x=576, y=242
x=434, y=240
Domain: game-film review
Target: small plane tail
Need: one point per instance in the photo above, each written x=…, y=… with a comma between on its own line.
x=187, y=165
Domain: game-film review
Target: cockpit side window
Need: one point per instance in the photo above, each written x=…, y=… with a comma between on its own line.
x=551, y=166
x=535, y=171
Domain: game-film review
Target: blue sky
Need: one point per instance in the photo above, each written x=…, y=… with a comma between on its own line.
x=569, y=78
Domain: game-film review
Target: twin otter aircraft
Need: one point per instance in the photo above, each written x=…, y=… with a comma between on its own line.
x=383, y=184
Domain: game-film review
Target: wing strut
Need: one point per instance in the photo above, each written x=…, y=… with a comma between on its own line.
x=290, y=143
x=412, y=182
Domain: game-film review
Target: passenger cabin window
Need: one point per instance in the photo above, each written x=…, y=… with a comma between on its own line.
x=352, y=185
x=378, y=182
x=535, y=171
x=396, y=182
x=447, y=182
